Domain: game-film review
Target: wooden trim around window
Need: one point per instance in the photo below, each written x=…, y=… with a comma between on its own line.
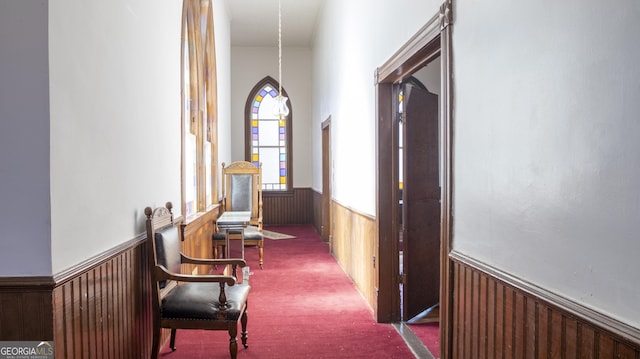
x=247, y=132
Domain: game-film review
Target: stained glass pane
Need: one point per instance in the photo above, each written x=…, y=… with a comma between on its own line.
x=269, y=140
x=400, y=143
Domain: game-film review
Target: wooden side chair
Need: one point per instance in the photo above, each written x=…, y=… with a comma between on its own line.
x=182, y=301
x=242, y=191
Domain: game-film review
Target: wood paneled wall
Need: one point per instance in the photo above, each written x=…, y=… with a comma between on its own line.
x=353, y=244
x=26, y=308
x=197, y=235
x=317, y=211
x=102, y=307
x=289, y=208
x=495, y=318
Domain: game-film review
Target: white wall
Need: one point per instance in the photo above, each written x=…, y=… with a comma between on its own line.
x=115, y=120
x=353, y=39
x=222, y=23
x=430, y=75
x=547, y=157
x=90, y=124
x=25, y=242
x=249, y=65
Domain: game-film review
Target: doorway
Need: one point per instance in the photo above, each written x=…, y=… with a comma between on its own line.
x=431, y=42
x=419, y=187
x=325, y=229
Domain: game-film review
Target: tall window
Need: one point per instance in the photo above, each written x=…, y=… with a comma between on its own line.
x=268, y=137
x=199, y=110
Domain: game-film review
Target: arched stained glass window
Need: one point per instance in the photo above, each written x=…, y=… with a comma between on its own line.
x=199, y=115
x=269, y=136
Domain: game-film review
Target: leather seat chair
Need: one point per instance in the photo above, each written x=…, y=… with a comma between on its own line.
x=182, y=301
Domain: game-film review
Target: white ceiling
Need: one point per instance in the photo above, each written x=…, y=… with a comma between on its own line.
x=255, y=22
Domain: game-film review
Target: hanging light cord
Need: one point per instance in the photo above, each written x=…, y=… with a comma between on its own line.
x=280, y=109
x=279, y=49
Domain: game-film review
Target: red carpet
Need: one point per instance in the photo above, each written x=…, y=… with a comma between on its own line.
x=429, y=334
x=301, y=305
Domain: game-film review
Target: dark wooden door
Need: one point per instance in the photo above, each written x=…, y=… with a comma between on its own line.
x=325, y=231
x=421, y=202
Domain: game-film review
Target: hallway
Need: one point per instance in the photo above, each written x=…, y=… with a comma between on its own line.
x=302, y=305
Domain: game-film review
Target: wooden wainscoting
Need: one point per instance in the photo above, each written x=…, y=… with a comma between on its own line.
x=354, y=246
x=197, y=234
x=497, y=316
x=317, y=211
x=288, y=208
x=102, y=307
x=26, y=308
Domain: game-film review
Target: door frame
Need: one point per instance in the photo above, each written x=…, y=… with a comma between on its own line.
x=326, y=231
x=431, y=41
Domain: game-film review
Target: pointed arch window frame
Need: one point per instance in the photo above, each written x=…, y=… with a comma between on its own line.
x=199, y=148
x=288, y=135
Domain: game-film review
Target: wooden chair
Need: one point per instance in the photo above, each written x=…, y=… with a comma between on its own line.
x=181, y=301
x=242, y=191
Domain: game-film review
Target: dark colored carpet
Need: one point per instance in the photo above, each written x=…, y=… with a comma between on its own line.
x=301, y=305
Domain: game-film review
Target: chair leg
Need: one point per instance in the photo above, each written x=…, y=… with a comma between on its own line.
x=260, y=253
x=155, y=348
x=243, y=322
x=172, y=341
x=233, y=342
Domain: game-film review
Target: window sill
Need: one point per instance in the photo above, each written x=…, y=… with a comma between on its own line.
x=195, y=221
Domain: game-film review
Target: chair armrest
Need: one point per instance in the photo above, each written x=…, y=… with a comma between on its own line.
x=205, y=261
x=162, y=274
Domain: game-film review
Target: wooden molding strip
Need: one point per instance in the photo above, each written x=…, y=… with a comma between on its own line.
x=85, y=266
x=402, y=62
x=39, y=282
x=353, y=210
x=601, y=320
x=195, y=222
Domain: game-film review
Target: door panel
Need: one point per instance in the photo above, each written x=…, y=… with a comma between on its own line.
x=421, y=202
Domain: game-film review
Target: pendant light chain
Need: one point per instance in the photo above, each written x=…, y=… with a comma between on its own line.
x=279, y=49
x=281, y=110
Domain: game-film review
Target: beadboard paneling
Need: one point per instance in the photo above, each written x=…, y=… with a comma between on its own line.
x=100, y=308
x=25, y=308
x=103, y=310
x=497, y=317
x=288, y=208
